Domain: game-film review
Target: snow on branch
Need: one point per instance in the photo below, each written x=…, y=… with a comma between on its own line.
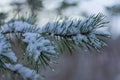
x=19, y=26
x=37, y=44
x=69, y=28
x=5, y=49
x=25, y=72
x=80, y=31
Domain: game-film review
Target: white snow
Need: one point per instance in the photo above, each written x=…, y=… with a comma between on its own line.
x=79, y=38
x=24, y=71
x=10, y=55
x=94, y=40
x=37, y=44
x=62, y=27
x=5, y=49
x=15, y=26
x=102, y=32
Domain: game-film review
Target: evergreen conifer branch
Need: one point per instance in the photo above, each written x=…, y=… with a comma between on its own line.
x=81, y=32
x=40, y=45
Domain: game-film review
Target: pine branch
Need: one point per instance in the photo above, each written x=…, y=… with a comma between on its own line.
x=81, y=32
x=40, y=45
x=25, y=72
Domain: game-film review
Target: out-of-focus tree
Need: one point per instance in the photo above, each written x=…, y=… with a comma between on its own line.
x=114, y=10
x=34, y=7
x=3, y=16
x=64, y=5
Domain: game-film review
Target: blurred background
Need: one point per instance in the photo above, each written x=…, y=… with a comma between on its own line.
x=104, y=65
